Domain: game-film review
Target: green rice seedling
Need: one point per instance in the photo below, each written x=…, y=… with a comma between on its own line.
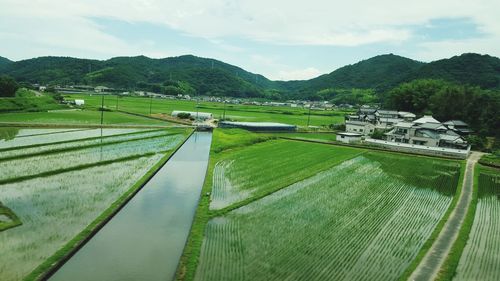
x=23, y=167
x=69, y=135
x=77, y=144
x=56, y=208
x=358, y=220
x=266, y=167
x=480, y=258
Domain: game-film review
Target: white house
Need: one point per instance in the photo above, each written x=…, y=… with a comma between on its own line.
x=360, y=127
x=348, y=137
x=426, y=131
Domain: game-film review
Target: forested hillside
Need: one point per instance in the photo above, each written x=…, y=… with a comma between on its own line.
x=365, y=81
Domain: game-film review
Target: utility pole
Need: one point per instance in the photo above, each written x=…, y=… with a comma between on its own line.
x=116, y=102
x=102, y=108
x=150, y=104
x=309, y=115
x=224, y=113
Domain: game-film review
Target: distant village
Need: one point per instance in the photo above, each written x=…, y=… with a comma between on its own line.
x=391, y=129
x=313, y=105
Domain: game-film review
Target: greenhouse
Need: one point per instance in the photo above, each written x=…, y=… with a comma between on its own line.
x=258, y=126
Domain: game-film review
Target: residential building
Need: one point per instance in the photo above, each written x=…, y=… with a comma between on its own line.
x=381, y=119
x=426, y=131
x=361, y=127
x=459, y=127
x=348, y=137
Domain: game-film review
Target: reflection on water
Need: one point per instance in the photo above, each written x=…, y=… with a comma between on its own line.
x=144, y=241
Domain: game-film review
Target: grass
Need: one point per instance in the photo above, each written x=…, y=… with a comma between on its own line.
x=79, y=117
x=296, y=116
x=59, y=214
x=474, y=254
x=354, y=221
x=326, y=137
x=11, y=219
x=492, y=160
x=26, y=100
x=226, y=139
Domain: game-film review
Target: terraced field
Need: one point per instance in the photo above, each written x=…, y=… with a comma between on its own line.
x=265, y=167
x=59, y=185
x=480, y=259
x=363, y=219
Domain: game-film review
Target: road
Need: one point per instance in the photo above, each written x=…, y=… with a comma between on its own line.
x=430, y=265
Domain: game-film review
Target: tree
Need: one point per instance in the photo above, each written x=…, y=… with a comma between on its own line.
x=8, y=86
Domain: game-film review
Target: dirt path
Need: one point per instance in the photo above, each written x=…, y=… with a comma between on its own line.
x=433, y=260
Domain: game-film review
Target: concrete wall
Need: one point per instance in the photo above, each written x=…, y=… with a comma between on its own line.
x=421, y=149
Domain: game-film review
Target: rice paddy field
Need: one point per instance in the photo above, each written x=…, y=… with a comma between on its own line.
x=58, y=181
x=289, y=210
x=480, y=258
x=254, y=113
x=78, y=117
x=265, y=167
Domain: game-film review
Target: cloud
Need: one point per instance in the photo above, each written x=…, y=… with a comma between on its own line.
x=41, y=27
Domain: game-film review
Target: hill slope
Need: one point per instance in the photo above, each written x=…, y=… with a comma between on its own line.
x=208, y=76
x=212, y=77
x=380, y=73
x=3, y=63
x=473, y=69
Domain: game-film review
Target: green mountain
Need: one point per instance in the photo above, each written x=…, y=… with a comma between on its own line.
x=191, y=74
x=380, y=73
x=472, y=69
x=3, y=63
x=204, y=75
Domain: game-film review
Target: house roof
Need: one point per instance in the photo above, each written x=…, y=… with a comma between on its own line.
x=432, y=126
x=390, y=120
x=403, y=124
x=406, y=114
x=426, y=119
x=429, y=134
x=349, y=134
x=358, y=123
x=387, y=112
x=455, y=123
x=448, y=137
x=367, y=110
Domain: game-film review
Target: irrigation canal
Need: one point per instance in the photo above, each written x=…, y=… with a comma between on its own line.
x=145, y=240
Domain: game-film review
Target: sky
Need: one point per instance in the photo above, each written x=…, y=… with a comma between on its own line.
x=280, y=39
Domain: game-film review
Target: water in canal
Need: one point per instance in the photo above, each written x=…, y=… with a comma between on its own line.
x=145, y=240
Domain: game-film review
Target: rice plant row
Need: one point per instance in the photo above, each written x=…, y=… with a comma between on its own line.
x=70, y=135
x=354, y=221
x=76, y=144
x=54, y=209
x=50, y=162
x=480, y=259
x=269, y=166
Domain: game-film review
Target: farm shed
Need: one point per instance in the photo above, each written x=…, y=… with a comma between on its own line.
x=348, y=137
x=258, y=126
x=197, y=115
